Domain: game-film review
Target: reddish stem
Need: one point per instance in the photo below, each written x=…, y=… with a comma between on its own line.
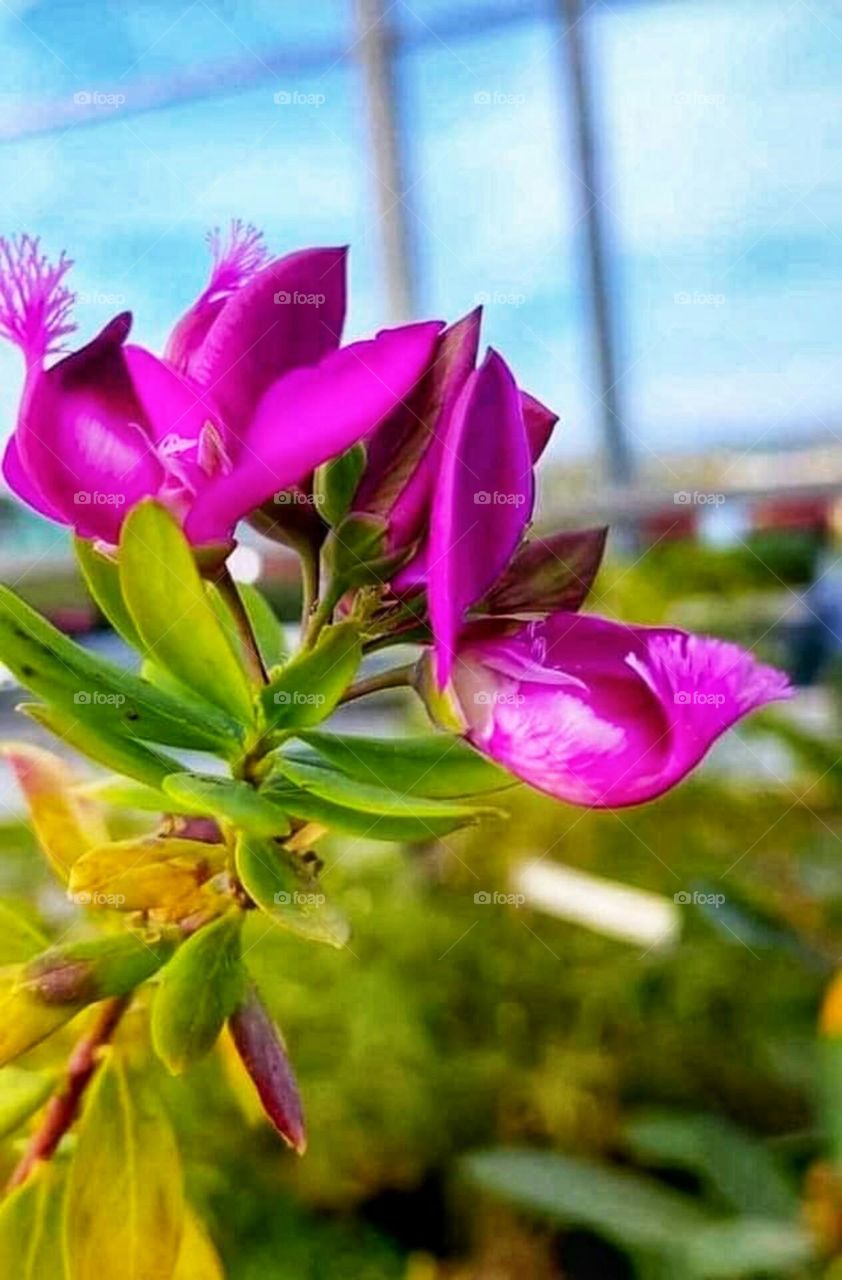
x=63, y=1106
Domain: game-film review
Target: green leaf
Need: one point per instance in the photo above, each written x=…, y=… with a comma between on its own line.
x=267, y=626
x=19, y=937
x=120, y=793
x=22, y=1093
x=621, y=1206
x=197, y=1259
x=199, y=988
x=125, y=1198
x=31, y=1228
x=176, y=621
x=749, y=1247
x=25, y=1020
x=228, y=800
x=102, y=578
x=164, y=874
x=361, y=809
x=733, y=1164
x=96, y=742
x=335, y=483
x=94, y=690
x=428, y=764
x=290, y=900
x=79, y=973
x=65, y=823
x=308, y=688
x=355, y=552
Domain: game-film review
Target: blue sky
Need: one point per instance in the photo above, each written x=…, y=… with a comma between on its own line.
x=722, y=147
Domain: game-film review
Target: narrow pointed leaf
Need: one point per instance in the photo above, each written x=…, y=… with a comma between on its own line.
x=335, y=483
x=550, y=573
x=363, y=809
x=31, y=1228
x=25, y=1020
x=102, y=578
x=308, y=688
x=65, y=675
x=429, y=764
x=293, y=902
x=20, y=939
x=22, y=1093
x=200, y=987
x=164, y=874
x=65, y=823
x=197, y=1258
x=125, y=1199
x=264, y=1056
x=78, y=973
x=120, y=793
x=229, y=800
x=170, y=608
x=102, y=745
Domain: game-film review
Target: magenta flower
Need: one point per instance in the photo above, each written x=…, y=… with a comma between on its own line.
x=451, y=474
x=602, y=714
x=253, y=391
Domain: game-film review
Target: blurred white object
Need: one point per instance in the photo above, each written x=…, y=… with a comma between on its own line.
x=245, y=564
x=634, y=915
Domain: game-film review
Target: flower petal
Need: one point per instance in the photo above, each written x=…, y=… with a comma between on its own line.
x=82, y=436
x=291, y=313
x=312, y=415
x=236, y=259
x=404, y=454
x=601, y=714
x=26, y=489
x=482, y=504
x=540, y=423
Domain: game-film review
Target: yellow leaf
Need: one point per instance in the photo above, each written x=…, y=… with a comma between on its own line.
x=198, y=1260
x=125, y=1195
x=30, y=1228
x=150, y=873
x=66, y=822
x=830, y=1018
x=25, y=1020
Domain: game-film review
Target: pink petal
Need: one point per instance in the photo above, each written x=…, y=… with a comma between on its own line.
x=289, y=314
x=540, y=423
x=312, y=415
x=601, y=714
x=25, y=487
x=236, y=259
x=482, y=504
x=82, y=436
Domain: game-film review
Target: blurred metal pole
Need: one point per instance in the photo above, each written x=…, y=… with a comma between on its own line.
x=376, y=44
x=619, y=463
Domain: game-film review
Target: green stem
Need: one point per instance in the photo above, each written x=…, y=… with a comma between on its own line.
x=227, y=588
x=321, y=617
x=396, y=678
x=309, y=583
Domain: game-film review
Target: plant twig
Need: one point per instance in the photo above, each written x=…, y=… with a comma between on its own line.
x=227, y=588
x=396, y=678
x=64, y=1105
